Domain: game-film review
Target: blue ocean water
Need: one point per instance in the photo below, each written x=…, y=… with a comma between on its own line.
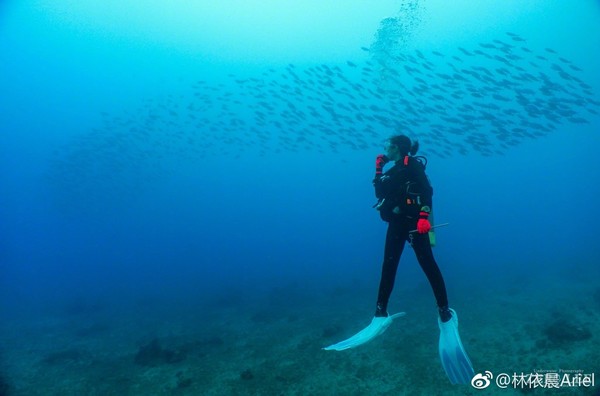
x=200, y=174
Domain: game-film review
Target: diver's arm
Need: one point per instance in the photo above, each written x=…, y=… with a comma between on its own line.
x=380, y=188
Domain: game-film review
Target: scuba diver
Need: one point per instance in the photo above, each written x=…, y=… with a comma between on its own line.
x=404, y=196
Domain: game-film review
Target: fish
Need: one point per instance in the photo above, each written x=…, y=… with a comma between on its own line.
x=481, y=100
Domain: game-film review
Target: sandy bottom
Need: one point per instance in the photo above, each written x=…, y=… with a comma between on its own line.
x=269, y=343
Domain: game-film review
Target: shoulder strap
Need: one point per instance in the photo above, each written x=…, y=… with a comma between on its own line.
x=422, y=160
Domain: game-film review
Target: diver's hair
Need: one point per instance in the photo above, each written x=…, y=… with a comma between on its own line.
x=405, y=146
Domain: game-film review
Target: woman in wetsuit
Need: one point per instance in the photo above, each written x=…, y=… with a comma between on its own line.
x=404, y=195
x=405, y=202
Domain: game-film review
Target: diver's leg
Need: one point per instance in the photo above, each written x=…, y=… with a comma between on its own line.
x=422, y=248
x=394, y=245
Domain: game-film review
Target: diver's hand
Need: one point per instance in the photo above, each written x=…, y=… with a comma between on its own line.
x=423, y=224
x=380, y=163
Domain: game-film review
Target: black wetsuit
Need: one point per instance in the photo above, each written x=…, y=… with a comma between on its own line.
x=406, y=187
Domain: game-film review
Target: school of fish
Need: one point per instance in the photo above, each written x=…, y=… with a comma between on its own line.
x=483, y=99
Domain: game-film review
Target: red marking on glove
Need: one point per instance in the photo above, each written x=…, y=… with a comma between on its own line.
x=380, y=163
x=423, y=225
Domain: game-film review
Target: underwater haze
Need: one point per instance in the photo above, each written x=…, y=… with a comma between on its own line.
x=186, y=198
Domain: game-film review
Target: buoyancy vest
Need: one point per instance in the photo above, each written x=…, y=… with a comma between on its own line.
x=398, y=188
